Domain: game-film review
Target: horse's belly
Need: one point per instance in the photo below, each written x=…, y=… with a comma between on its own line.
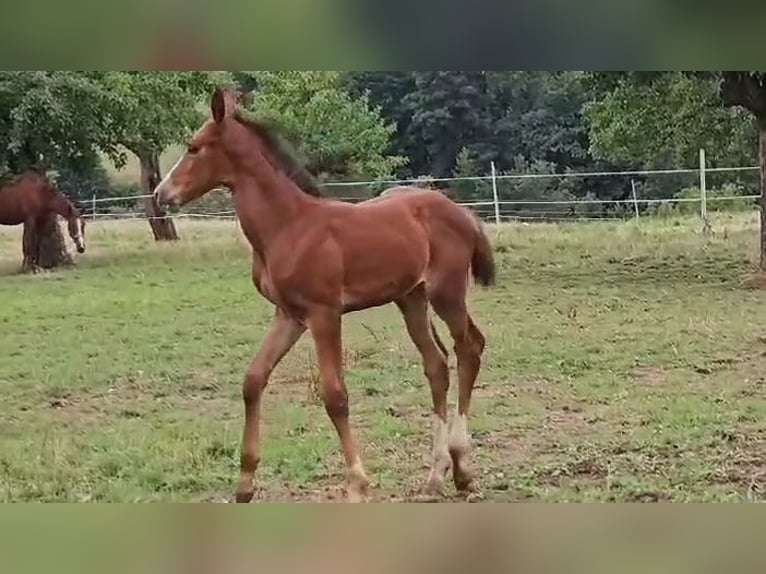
x=379, y=268
x=376, y=284
x=358, y=297
x=11, y=217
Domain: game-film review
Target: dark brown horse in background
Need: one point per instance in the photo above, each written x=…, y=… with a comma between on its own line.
x=31, y=198
x=316, y=259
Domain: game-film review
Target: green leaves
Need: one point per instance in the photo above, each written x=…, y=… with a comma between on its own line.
x=151, y=110
x=63, y=119
x=662, y=122
x=341, y=137
x=47, y=118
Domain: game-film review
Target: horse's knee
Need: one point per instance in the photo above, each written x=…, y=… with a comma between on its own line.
x=252, y=388
x=336, y=401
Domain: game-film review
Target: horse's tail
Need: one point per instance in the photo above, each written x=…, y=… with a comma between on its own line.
x=483, y=258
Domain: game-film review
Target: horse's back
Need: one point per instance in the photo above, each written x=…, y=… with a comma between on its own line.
x=395, y=193
x=22, y=196
x=452, y=231
x=12, y=210
x=439, y=215
x=397, y=240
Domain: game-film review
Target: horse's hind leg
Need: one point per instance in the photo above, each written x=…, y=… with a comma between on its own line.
x=450, y=305
x=414, y=308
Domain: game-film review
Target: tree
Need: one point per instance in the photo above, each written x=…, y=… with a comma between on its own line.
x=662, y=122
x=537, y=115
x=388, y=92
x=684, y=111
x=448, y=113
x=516, y=119
x=47, y=122
x=748, y=90
x=342, y=137
x=52, y=251
x=62, y=121
x=147, y=112
x=538, y=128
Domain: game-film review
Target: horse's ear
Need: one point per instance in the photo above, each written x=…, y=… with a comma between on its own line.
x=218, y=105
x=225, y=103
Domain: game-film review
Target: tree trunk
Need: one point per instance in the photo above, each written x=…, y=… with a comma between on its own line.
x=762, y=163
x=162, y=225
x=52, y=249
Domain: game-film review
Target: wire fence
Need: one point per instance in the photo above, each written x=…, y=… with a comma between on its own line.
x=503, y=197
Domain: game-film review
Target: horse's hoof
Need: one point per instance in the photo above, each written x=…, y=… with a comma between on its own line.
x=357, y=493
x=357, y=498
x=243, y=497
x=463, y=481
x=434, y=486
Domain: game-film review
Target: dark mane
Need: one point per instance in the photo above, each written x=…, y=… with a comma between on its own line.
x=283, y=152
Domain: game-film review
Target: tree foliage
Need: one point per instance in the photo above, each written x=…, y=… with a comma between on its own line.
x=151, y=110
x=663, y=121
x=367, y=125
x=511, y=118
x=50, y=119
x=340, y=136
x=63, y=120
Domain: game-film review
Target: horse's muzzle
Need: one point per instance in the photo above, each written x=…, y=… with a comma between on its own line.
x=166, y=200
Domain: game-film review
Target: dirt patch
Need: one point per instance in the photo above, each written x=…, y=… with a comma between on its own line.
x=129, y=400
x=755, y=281
x=573, y=419
x=647, y=497
x=753, y=388
x=589, y=468
x=744, y=467
x=649, y=375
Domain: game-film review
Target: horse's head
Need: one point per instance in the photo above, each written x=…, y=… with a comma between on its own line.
x=206, y=163
x=76, y=227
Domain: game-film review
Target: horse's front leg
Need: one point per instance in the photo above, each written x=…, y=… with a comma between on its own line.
x=325, y=328
x=29, y=246
x=282, y=336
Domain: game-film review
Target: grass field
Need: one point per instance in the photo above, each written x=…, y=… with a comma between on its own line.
x=625, y=362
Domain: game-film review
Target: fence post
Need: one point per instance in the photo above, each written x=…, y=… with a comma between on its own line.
x=703, y=190
x=635, y=200
x=494, y=194
x=94, y=206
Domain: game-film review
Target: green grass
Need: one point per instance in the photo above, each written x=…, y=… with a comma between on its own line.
x=624, y=362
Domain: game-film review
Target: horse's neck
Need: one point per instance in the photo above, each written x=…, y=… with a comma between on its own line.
x=61, y=205
x=266, y=202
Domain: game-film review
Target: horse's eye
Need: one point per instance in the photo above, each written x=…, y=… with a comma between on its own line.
x=192, y=149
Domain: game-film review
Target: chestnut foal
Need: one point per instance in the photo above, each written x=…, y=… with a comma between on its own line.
x=316, y=259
